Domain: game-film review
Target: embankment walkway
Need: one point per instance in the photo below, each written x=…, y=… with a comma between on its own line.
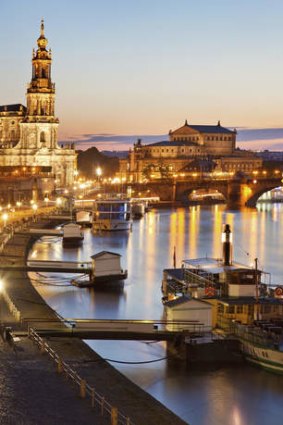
x=33, y=393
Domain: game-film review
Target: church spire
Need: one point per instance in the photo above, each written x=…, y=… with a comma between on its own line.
x=41, y=90
x=42, y=40
x=42, y=28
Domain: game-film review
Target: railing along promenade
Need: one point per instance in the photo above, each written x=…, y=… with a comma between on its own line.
x=85, y=390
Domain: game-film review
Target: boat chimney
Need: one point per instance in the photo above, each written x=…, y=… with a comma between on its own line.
x=227, y=245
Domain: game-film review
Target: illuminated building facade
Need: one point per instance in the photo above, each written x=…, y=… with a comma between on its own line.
x=186, y=151
x=28, y=135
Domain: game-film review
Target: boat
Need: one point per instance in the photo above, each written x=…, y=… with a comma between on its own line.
x=106, y=272
x=84, y=218
x=112, y=215
x=138, y=210
x=72, y=235
x=262, y=343
x=244, y=304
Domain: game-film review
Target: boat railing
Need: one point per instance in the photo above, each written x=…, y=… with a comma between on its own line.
x=198, y=277
x=255, y=335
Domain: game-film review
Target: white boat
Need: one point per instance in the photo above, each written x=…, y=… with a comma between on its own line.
x=72, y=235
x=84, y=218
x=106, y=272
x=262, y=346
x=110, y=215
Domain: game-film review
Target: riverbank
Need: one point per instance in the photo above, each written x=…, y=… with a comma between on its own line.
x=27, y=304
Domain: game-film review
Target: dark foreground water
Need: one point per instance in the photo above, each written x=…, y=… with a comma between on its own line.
x=238, y=395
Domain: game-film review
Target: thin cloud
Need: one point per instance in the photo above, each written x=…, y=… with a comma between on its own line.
x=247, y=138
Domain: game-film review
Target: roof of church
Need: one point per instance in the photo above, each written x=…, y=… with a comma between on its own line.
x=187, y=129
x=173, y=143
x=12, y=108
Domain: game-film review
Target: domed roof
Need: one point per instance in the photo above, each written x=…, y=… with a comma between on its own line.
x=42, y=40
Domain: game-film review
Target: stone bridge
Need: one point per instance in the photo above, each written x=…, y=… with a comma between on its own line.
x=237, y=192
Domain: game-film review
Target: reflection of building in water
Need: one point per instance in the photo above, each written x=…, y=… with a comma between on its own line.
x=28, y=135
x=190, y=148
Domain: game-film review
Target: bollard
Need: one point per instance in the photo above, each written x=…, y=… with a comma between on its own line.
x=60, y=366
x=83, y=388
x=114, y=416
x=92, y=397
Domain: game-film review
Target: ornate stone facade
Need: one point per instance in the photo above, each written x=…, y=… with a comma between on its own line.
x=186, y=144
x=28, y=135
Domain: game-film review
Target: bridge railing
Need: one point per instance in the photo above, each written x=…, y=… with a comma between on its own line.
x=97, y=400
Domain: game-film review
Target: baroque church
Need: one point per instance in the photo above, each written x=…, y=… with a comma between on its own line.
x=29, y=150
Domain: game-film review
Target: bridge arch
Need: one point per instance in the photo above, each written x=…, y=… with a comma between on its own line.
x=185, y=191
x=251, y=202
x=205, y=194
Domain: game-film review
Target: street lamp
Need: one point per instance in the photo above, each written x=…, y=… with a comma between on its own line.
x=5, y=217
x=98, y=172
x=34, y=207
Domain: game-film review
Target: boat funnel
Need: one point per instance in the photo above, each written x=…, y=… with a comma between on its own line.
x=227, y=245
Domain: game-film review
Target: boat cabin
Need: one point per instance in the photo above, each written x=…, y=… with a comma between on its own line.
x=185, y=308
x=106, y=263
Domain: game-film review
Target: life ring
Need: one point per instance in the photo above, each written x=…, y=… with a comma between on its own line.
x=209, y=291
x=278, y=291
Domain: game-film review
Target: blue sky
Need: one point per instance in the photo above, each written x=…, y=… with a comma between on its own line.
x=142, y=67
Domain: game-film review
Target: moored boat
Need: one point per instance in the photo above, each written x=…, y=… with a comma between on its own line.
x=112, y=215
x=262, y=344
x=106, y=271
x=72, y=235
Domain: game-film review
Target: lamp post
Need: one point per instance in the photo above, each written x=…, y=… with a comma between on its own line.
x=5, y=217
x=34, y=207
x=98, y=173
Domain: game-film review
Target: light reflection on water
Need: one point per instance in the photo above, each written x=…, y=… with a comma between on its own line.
x=227, y=396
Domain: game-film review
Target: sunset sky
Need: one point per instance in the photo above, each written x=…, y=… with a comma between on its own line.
x=130, y=68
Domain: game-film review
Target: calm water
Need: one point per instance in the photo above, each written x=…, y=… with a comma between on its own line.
x=225, y=396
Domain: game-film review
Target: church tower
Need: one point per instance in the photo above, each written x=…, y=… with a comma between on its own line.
x=39, y=128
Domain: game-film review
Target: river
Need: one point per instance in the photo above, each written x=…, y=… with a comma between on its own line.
x=242, y=395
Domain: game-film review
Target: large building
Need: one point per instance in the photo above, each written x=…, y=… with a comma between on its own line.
x=190, y=148
x=28, y=134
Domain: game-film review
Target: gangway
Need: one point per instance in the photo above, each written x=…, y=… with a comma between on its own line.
x=120, y=329
x=41, y=232
x=81, y=267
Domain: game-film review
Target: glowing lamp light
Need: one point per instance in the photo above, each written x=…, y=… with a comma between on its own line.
x=254, y=181
x=1, y=285
x=34, y=207
x=98, y=171
x=5, y=217
x=58, y=202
